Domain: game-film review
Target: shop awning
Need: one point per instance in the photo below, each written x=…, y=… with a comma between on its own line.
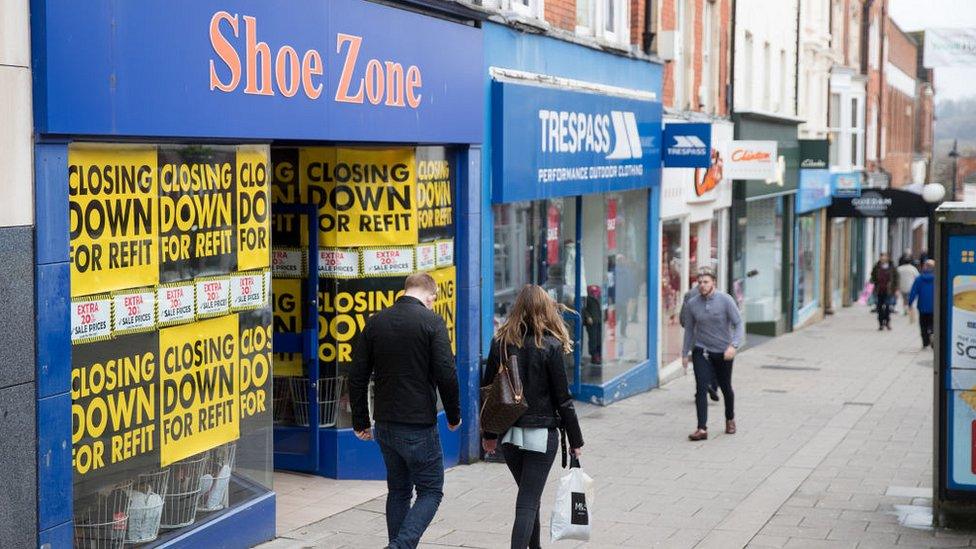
x=880, y=203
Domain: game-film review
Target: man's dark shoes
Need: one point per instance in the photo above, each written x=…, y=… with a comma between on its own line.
x=713, y=394
x=699, y=434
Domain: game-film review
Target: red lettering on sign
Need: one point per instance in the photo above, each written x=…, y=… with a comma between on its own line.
x=743, y=155
x=263, y=70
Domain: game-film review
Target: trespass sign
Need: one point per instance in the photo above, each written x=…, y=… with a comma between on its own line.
x=554, y=142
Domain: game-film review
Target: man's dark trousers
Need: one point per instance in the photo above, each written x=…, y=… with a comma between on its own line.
x=884, y=309
x=925, y=323
x=711, y=367
x=413, y=459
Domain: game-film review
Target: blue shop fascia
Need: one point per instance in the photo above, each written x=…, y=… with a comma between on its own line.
x=202, y=259
x=571, y=182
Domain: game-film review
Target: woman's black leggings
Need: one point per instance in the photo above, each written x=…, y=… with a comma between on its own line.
x=708, y=366
x=530, y=469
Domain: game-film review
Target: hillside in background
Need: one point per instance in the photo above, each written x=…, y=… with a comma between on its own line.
x=956, y=119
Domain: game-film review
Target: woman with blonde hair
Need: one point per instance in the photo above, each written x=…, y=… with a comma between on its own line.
x=535, y=333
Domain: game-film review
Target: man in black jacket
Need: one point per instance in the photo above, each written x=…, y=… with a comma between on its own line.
x=407, y=351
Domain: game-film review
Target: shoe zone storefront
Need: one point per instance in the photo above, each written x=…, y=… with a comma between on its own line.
x=572, y=178
x=223, y=197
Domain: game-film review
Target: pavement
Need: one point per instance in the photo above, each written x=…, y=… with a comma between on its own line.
x=833, y=450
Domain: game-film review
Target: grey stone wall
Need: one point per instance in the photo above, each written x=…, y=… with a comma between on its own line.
x=18, y=433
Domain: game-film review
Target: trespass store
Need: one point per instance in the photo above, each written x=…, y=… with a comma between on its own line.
x=223, y=196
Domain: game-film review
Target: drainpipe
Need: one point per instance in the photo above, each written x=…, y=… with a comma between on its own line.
x=647, y=37
x=796, y=75
x=730, y=95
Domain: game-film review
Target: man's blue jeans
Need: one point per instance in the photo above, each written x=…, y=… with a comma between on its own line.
x=413, y=459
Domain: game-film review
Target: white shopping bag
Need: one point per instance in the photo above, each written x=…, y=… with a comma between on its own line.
x=572, y=514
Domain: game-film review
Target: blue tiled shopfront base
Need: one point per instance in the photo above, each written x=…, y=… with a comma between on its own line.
x=244, y=526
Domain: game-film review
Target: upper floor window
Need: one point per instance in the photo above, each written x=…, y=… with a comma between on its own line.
x=533, y=9
x=606, y=20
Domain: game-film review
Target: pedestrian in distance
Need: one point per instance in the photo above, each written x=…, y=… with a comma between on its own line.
x=923, y=290
x=884, y=276
x=536, y=335
x=713, y=384
x=907, y=272
x=406, y=350
x=714, y=331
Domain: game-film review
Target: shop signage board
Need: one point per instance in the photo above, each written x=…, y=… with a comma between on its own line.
x=687, y=145
x=551, y=142
x=280, y=69
x=752, y=160
x=814, y=192
x=846, y=184
x=814, y=154
x=880, y=203
x=815, y=182
x=959, y=308
x=955, y=47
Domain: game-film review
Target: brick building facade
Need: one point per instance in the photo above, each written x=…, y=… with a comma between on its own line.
x=700, y=66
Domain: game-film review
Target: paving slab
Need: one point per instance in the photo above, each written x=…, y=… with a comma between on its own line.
x=832, y=451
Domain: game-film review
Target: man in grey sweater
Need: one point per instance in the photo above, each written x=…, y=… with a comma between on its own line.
x=713, y=332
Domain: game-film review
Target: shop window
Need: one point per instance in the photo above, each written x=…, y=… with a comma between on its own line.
x=716, y=246
x=614, y=276
x=671, y=290
x=383, y=215
x=533, y=9
x=807, y=256
x=171, y=337
x=535, y=243
x=607, y=20
x=699, y=250
x=762, y=280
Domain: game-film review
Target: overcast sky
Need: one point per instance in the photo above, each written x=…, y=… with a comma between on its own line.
x=912, y=15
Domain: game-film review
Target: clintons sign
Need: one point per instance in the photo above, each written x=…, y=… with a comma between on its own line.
x=344, y=70
x=752, y=160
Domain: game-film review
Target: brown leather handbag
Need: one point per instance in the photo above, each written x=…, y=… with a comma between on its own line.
x=503, y=401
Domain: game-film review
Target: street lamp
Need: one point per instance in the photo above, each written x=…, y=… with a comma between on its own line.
x=932, y=193
x=954, y=155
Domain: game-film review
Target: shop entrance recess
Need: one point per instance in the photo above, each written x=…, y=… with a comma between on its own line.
x=296, y=448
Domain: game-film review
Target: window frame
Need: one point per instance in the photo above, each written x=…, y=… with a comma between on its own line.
x=535, y=9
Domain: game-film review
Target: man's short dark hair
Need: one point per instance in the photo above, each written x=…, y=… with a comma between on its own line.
x=420, y=281
x=705, y=271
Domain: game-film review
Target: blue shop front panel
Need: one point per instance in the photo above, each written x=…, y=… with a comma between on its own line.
x=346, y=70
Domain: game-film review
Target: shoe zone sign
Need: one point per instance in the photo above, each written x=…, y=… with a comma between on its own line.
x=346, y=70
x=551, y=142
x=687, y=145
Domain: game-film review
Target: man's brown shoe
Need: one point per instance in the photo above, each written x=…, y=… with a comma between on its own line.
x=730, y=426
x=699, y=434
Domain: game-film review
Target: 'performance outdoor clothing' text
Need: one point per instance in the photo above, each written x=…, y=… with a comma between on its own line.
x=712, y=323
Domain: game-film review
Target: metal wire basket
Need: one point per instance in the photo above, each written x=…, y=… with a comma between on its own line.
x=100, y=520
x=215, y=481
x=182, y=492
x=146, y=506
x=281, y=406
x=329, y=391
